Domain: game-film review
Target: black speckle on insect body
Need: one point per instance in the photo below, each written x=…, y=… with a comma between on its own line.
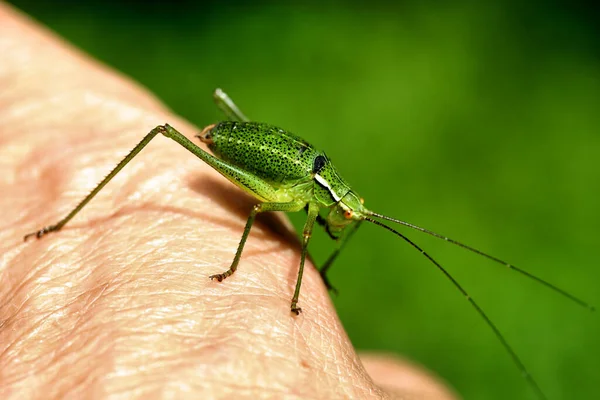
x=269, y=152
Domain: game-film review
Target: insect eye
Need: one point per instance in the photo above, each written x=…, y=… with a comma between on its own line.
x=348, y=214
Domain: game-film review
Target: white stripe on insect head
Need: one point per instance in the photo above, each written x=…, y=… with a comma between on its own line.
x=325, y=184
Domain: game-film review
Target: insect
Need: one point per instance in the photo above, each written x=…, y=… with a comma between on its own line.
x=285, y=173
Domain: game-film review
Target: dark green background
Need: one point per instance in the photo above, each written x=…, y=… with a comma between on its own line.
x=478, y=120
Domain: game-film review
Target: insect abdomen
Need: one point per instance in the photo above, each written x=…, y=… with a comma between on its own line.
x=265, y=150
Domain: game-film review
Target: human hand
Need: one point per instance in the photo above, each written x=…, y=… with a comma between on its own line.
x=119, y=301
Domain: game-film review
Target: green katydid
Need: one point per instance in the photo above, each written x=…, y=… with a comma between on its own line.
x=285, y=173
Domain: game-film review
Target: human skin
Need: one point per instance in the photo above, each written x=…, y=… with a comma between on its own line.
x=118, y=303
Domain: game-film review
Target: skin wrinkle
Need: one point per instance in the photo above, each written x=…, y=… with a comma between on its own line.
x=44, y=363
x=85, y=380
x=33, y=328
x=68, y=357
x=298, y=334
x=12, y=295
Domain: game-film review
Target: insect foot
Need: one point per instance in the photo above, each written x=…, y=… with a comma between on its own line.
x=38, y=234
x=222, y=276
x=295, y=309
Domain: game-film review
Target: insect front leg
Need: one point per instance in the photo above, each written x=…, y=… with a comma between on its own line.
x=333, y=256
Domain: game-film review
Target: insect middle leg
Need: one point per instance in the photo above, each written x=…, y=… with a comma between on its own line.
x=285, y=207
x=262, y=207
x=313, y=212
x=323, y=270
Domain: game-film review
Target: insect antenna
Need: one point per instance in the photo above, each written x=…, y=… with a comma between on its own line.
x=508, y=348
x=490, y=257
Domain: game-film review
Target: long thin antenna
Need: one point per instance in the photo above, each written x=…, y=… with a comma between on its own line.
x=499, y=261
x=509, y=349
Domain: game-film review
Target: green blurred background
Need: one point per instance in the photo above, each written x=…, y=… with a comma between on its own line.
x=479, y=120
